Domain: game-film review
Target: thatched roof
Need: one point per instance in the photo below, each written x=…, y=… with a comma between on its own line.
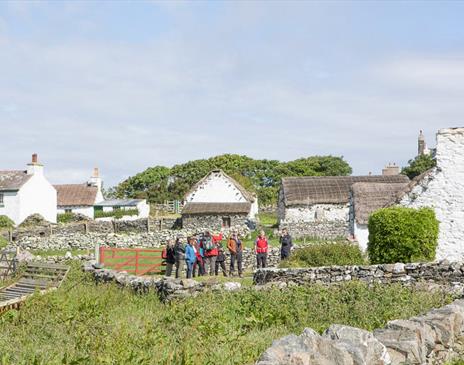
x=328, y=189
x=368, y=197
x=13, y=180
x=216, y=208
x=76, y=195
x=248, y=196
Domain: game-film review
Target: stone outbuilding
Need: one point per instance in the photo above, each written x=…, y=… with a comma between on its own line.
x=218, y=201
x=366, y=198
x=318, y=206
x=442, y=188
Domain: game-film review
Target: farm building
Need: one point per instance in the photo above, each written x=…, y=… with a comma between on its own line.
x=442, y=188
x=218, y=201
x=365, y=198
x=80, y=198
x=318, y=206
x=27, y=192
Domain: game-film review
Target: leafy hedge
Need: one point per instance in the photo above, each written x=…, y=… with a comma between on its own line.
x=5, y=222
x=325, y=254
x=119, y=213
x=400, y=234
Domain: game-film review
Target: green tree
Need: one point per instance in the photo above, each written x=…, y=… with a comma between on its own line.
x=419, y=165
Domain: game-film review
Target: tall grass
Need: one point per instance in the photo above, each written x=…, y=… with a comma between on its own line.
x=84, y=323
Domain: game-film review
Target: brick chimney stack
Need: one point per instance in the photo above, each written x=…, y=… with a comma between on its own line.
x=96, y=172
x=34, y=167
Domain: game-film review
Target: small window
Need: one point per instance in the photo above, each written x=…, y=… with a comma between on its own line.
x=226, y=222
x=116, y=207
x=1, y=198
x=68, y=210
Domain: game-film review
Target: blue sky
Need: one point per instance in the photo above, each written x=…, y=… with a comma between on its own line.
x=128, y=85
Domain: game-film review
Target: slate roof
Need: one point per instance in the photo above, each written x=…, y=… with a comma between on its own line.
x=13, y=180
x=216, y=208
x=327, y=189
x=368, y=197
x=119, y=202
x=72, y=195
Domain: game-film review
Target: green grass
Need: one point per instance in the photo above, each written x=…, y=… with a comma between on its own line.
x=268, y=219
x=60, y=252
x=3, y=242
x=84, y=323
x=326, y=254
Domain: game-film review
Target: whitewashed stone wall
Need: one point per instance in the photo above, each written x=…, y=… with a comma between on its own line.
x=361, y=232
x=443, y=190
x=317, y=220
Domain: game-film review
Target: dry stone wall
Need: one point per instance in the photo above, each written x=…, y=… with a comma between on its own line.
x=433, y=338
x=443, y=271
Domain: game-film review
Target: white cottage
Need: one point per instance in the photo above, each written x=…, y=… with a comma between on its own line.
x=442, y=188
x=80, y=198
x=318, y=206
x=27, y=192
x=218, y=201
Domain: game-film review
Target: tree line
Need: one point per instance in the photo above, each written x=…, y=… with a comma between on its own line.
x=160, y=183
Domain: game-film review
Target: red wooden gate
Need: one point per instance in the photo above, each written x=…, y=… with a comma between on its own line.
x=138, y=261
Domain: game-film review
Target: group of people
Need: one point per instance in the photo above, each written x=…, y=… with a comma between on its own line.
x=204, y=254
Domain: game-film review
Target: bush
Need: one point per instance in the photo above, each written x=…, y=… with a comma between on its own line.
x=400, y=234
x=119, y=213
x=325, y=254
x=6, y=223
x=71, y=217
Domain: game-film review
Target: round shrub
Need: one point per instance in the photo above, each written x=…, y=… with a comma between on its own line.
x=400, y=234
x=5, y=222
x=325, y=254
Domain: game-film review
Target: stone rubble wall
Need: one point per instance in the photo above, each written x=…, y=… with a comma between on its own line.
x=327, y=230
x=213, y=221
x=443, y=271
x=166, y=288
x=433, y=338
x=140, y=226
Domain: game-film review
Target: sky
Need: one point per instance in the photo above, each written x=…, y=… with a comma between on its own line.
x=127, y=85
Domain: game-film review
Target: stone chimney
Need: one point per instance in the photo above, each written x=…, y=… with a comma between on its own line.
x=391, y=169
x=421, y=145
x=34, y=167
x=95, y=180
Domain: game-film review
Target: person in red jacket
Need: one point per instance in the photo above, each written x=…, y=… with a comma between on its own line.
x=211, y=251
x=261, y=248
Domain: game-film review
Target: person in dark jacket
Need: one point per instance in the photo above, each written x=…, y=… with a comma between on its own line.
x=179, y=250
x=220, y=260
x=286, y=244
x=170, y=257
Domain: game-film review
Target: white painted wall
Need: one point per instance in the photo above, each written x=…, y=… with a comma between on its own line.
x=361, y=233
x=84, y=210
x=216, y=189
x=11, y=206
x=443, y=191
x=314, y=213
x=37, y=196
x=144, y=209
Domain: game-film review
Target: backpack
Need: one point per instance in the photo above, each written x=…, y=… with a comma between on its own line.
x=208, y=243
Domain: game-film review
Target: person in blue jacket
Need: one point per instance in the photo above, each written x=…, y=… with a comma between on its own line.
x=190, y=256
